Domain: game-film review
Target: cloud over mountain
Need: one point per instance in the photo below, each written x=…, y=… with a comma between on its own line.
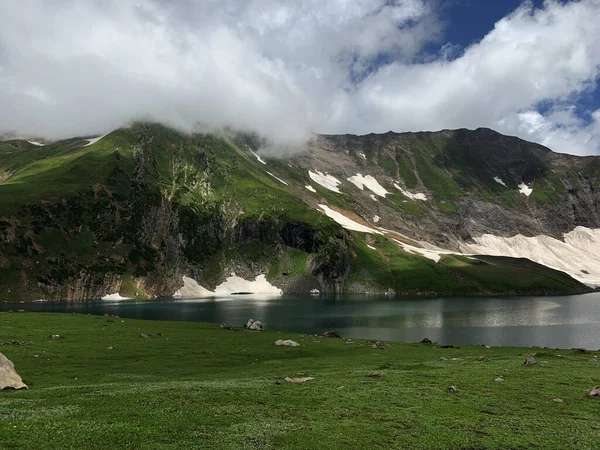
x=289, y=68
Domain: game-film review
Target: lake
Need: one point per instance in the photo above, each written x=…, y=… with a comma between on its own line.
x=565, y=322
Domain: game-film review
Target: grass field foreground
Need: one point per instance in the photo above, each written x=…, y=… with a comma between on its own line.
x=195, y=385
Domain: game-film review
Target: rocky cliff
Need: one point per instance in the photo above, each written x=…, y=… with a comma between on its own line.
x=139, y=209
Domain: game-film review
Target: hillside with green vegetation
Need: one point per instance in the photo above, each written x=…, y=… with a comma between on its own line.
x=142, y=207
x=195, y=385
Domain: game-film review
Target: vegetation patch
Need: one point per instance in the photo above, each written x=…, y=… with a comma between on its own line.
x=195, y=385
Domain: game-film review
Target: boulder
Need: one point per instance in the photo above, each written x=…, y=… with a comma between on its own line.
x=595, y=392
x=530, y=362
x=287, y=343
x=331, y=334
x=255, y=325
x=426, y=341
x=9, y=378
x=452, y=389
x=298, y=380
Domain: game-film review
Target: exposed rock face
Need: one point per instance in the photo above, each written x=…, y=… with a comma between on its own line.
x=9, y=378
x=163, y=206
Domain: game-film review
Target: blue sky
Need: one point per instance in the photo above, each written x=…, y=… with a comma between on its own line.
x=288, y=69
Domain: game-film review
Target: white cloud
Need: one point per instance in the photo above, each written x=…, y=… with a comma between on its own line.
x=286, y=68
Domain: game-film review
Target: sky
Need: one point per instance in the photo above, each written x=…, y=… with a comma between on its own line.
x=290, y=68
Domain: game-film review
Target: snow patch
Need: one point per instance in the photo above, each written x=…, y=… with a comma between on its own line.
x=260, y=160
x=94, y=140
x=376, y=219
x=369, y=182
x=115, y=296
x=525, y=190
x=373, y=197
x=325, y=180
x=579, y=252
x=191, y=289
x=417, y=196
x=362, y=155
x=347, y=223
x=36, y=143
x=498, y=180
x=277, y=178
x=310, y=188
x=427, y=250
x=234, y=284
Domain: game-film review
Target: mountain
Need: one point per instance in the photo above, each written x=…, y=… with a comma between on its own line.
x=149, y=211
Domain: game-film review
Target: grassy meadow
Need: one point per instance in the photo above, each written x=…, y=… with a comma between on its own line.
x=195, y=385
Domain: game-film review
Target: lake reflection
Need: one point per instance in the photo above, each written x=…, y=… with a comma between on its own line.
x=571, y=321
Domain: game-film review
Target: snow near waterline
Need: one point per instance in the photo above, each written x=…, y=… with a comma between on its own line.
x=260, y=285
x=233, y=284
x=525, y=190
x=191, y=289
x=369, y=182
x=346, y=222
x=579, y=252
x=417, y=196
x=277, y=178
x=325, y=180
x=115, y=296
x=310, y=188
x=498, y=180
x=94, y=140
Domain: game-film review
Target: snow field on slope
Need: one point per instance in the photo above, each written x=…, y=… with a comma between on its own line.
x=579, y=252
x=417, y=196
x=325, y=180
x=346, y=222
x=369, y=182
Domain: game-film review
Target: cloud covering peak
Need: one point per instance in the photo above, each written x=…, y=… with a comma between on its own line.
x=286, y=68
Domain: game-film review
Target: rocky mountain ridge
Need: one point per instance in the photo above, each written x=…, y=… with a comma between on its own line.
x=143, y=207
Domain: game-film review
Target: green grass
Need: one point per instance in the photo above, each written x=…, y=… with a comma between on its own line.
x=406, y=169
x=193, y=385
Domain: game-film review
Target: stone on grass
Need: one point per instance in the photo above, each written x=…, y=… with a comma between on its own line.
x=594, y=392
x=426, y=341
x=377, y=375
x=558, y=400
x=287, y=343
x=499, y=379
x=255, y=325
x=331, y=334
x=452, y=389
x=349, y=342
x=144, y=336
x=381, y=345
x=9, y=378
x=530, y=362
x=298, y=380
x=56, y=337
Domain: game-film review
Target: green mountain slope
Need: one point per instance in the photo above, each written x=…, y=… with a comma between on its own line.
x=144, y=206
